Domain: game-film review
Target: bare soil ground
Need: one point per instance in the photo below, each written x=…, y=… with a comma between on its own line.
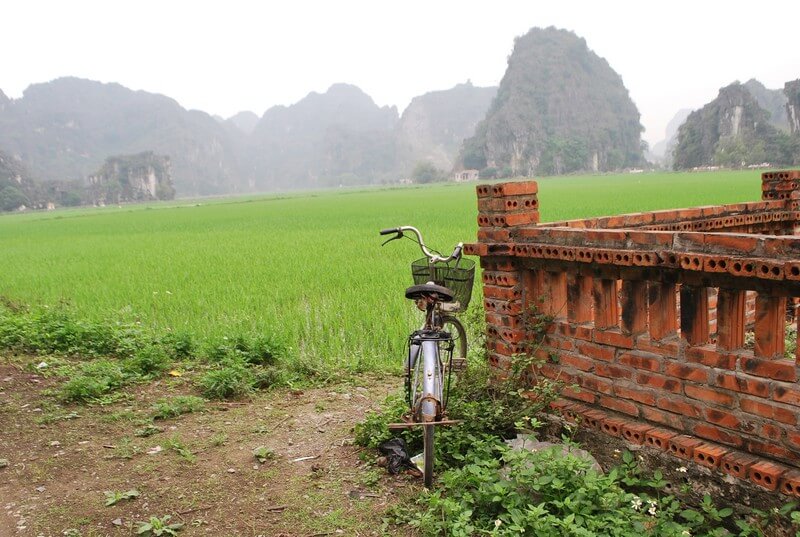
x=61, y=459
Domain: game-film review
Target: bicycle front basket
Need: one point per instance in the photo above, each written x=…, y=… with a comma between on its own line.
x=458, y=276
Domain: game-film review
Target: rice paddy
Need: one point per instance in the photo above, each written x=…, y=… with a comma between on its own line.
x=307, y=267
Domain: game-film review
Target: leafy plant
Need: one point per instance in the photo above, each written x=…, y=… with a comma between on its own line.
x=263, y=454
x=113, y=497
x=158, y=526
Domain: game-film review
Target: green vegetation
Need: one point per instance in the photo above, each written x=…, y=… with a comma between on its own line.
x=176, y=406
x=114, y=497
x=302, y=276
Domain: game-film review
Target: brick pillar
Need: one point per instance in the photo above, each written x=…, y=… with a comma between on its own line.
x=606, y=309
x=579, y=298
x=694, y=314
x=663, y=310
x=634, y=306
x=730, y=319
x=770, y=328
x=554, y=298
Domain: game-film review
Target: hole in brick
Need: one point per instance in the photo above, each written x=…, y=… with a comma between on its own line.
x=512, y=204
x=748, y=267
x=757, y=476
x=712, y=263
x=672, y=259
x=795, y=270
x=701, y=457
x=723, y=264
x=673, y=448
x=711, y=460
x=768, y=480
x=788, y=488
x=776, y=271
x=737, y=266
x=764, y=269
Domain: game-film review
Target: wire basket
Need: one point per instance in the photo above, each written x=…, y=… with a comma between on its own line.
x=456, y=275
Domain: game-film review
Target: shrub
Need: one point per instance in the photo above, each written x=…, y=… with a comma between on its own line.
x=92, y=381
x=148, y=361
x=232, y=379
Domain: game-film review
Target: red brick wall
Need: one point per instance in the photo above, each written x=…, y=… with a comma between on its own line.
x=650, y=315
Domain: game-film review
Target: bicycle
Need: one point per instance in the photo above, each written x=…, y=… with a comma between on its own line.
x=442, y=287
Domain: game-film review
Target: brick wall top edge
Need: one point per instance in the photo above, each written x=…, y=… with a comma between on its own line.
x=671, y=216
x=783, y=247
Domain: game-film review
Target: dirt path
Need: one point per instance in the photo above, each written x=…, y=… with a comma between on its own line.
x=61, y=459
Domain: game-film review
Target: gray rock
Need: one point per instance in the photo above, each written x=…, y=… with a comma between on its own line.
x=531, y=444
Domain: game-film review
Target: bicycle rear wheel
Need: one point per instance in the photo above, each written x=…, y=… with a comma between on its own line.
x=427, y=450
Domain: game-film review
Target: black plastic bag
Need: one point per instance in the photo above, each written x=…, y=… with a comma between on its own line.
x=397, y=459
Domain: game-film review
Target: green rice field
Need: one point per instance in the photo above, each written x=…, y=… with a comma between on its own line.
x=307, y=267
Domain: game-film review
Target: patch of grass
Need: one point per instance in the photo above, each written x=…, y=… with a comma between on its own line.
x=176, y=406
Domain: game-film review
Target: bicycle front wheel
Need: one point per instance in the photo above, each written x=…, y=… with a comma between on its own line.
x=427, y=450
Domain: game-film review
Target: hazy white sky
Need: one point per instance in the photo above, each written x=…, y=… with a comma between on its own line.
x=223, y=57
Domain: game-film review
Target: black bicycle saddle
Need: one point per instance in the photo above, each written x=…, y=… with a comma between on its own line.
x=442, y=294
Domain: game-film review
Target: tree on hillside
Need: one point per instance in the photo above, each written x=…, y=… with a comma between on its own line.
x=12, y=198
x=426, y=172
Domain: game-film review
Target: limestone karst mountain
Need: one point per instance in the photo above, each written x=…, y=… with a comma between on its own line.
x=733, y=131
x=560, y=108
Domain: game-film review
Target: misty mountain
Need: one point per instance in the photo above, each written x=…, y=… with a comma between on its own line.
x=732, y=130
x=337, y=137
x=433, y=127
x=65, y=129
x=560, y=108
x=244, y=121
x=773, y=101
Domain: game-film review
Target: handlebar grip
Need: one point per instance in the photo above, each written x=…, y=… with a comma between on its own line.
x=389, y=231
x=457, y=251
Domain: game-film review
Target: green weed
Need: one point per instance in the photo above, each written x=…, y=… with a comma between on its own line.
x=113, y=497
x=176, y=406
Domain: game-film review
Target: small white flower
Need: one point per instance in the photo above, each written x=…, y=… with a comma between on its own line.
x=652, y=509
x=497, y=523
x=616, y=451
x=636, y=503
x=682, y=469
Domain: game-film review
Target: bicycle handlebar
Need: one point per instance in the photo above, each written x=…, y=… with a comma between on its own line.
x=432, y=257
